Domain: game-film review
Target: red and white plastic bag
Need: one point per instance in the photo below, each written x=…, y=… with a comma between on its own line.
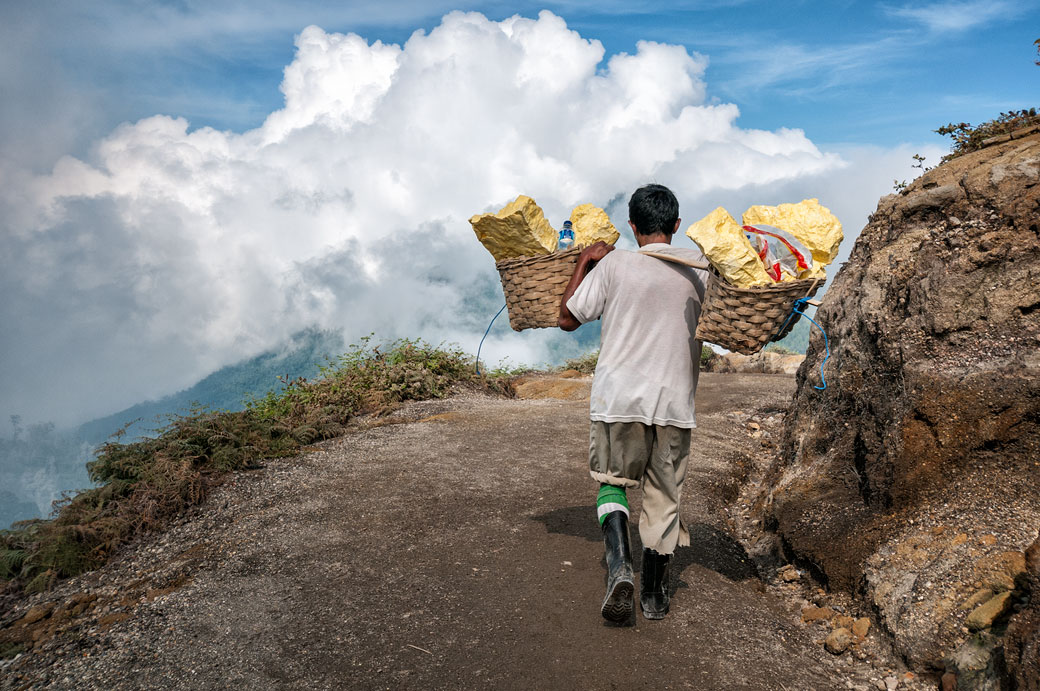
x=779, y=251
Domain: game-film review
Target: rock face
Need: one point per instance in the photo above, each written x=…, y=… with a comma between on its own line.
x=1022, y=648
x=913, y=480
x=762, y=362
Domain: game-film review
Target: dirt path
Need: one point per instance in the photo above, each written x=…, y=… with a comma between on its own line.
x=457, y=550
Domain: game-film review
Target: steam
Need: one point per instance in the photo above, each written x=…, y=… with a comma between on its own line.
x=170, y=252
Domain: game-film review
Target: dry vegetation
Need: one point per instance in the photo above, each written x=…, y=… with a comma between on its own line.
x=144, y=484
x=967, y=138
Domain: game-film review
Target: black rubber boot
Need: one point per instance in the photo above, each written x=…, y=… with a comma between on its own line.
x=653, y=584
x=618, y=604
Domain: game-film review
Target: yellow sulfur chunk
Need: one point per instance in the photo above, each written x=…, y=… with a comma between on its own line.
x=591, y=224
x=814, y=226
x=518, y=230
x=722, y=241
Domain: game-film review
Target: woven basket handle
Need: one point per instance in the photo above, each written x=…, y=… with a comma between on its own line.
x=677, y=260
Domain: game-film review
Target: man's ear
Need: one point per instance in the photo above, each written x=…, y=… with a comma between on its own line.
x=633, y=227
x=677, y=222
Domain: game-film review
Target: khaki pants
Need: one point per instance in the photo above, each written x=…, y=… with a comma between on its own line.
x=653, y=458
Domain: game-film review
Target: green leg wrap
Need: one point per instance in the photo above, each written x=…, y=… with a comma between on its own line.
x=611, y=498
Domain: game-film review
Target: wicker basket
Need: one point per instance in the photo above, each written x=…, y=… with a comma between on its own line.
x=743, y=320
x=534, y=287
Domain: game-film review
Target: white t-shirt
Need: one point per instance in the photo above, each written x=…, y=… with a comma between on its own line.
x=648, y=359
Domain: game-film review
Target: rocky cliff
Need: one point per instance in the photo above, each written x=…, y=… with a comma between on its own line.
x=913, y=480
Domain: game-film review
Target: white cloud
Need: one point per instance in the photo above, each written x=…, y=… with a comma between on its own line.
x=941, y=17
x=168, y=253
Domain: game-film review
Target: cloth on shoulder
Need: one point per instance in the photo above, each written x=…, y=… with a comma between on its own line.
x=649, y=357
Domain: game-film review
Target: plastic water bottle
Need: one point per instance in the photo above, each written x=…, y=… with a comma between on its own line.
x=566, y=237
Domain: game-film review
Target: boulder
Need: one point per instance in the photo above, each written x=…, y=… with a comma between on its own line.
x=913, y=480
x=986, y=614
x=838, y=641
x=861, y=627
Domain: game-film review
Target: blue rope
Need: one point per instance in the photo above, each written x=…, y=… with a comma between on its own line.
x=797, y=308
x=485, y=336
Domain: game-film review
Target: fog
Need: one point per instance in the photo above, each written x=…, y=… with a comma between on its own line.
x=166, y=252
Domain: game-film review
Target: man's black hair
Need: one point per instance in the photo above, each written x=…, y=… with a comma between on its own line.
x=653, y=209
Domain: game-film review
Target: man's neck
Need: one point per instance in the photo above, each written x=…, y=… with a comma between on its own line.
x=643, y=240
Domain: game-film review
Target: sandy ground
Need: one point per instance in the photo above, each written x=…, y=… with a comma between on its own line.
x=453, y=545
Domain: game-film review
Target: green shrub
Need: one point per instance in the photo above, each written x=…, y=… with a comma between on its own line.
x=143, y=484
x=506, y=370
x=708, y=358
x=586, y=364
x=967, y=138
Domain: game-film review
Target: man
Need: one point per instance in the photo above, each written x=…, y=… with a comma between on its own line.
x=641, y=406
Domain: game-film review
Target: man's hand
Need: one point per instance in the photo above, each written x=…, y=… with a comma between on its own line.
x=588, y=257
x=596, y=251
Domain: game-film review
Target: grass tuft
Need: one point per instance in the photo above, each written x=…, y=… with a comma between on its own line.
x=143, y=484
x=586, y=364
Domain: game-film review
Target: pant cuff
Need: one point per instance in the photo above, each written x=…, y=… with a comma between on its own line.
x=604, y=479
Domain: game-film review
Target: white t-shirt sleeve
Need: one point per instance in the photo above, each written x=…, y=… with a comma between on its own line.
x=590, y=298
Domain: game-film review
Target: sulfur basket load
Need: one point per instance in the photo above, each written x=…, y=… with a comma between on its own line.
x=533, y=270
x=760, y=268
x=534, y=287
x=757, y=271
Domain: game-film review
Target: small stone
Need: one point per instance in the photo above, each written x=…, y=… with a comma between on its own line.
x=81, y=598
x=948, y=682
x=988, y=540
x=109, y=620
x=983, y=616
x=36, y=614
x=838, y=641
x=789, y=574
x=811, y=614
x=880, y=685
x=960, y=539
x=860, y=627
x=753, y=426
x=891, y=683
x=1000, y=571
x=843, y=622
x=979, y=596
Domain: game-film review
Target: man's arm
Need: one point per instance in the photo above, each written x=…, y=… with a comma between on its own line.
x=586, y=260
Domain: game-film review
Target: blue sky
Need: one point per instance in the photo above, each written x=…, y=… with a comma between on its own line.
x=185, y=184
x=844, y=72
